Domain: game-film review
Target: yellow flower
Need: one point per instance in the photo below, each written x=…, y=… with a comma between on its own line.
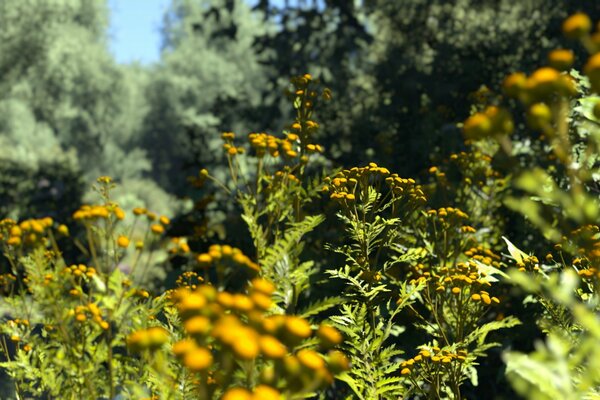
x=119, y=213
x=158, y=229
x=204, y=259
x=14, y=241
x=271, y=347
x=123, y=241
x=139, y=211
x=561, y=59
x=245, y=345
x=263, y=286
x=310, y=359
x=237, y=394
x=539, y=116
x=477, y=126
x=63, y=230
x=181, y=348
x=264, y=392
x=298, y=327
x=329, y=336
x=514, y=83
x=197, y=325
x=198, y=359
x=577, y=26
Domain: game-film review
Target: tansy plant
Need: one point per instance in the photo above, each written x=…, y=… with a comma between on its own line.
x=403, y=258
x=64, y=324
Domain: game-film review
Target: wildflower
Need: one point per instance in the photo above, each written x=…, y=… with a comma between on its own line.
x=198, y=359
x=310, y=359
x=158, y=229
x=237, y=394
x=577, y=26
x=63, y=230
x=264, y=392
x=514, y=83
x=539, y=116
x=197, y=326
x=246, y=346
x=263, y=286
x=181, y=348
x=477, y=126
x=561, y=59
x=123, y=241
x=297, y=327
x=329, y=336
x=271, y=347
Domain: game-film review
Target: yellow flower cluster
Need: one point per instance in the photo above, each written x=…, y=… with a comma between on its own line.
x=263, y=143
x=91, y=310
x=188, y=280
x=94, y=212
x=529, y=263
x=484, y=255
x=147, y=339
x=432, y=358
x=351, y=185
x=493, y=121
x=79, y=271
x=289, y=146
x=448, y=217
x=229, y=146
x=28, y=232
x=179, y=246
x=237, y=324
x=225, y=253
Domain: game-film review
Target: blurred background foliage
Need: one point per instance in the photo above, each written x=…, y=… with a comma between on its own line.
x=402, y=73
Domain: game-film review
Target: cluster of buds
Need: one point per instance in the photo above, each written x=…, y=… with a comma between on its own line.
x=222, y=327
x=221, y=254
x=529, y=263
x=483, y=255
x=79, y=271
x=354, y=184
x=96, y=212
x=189, y=280
x=28, y=232
x=449, y=224
x=89, y=311
x=229, y=146
x=432, y=359
x=263, y=143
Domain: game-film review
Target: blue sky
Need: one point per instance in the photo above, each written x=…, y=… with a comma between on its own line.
x=135, y=29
